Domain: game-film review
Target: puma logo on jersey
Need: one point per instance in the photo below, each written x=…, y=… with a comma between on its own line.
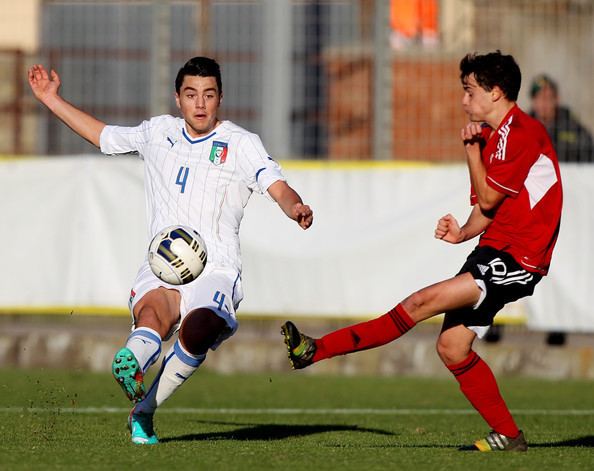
x=171, y=141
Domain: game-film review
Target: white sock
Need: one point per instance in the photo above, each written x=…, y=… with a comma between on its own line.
x=145, y=343
x=178, y=365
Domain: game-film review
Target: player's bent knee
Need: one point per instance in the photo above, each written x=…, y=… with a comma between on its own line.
x=200, y=330
x=416, y=301
x=451, y=352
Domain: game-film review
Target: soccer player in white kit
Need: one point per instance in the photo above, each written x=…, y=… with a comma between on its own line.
x=199, y=172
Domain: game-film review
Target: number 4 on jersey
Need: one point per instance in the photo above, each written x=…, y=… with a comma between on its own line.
x=219, y=298
x=182, y=178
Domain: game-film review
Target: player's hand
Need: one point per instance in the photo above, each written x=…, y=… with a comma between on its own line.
x=449, y=230
x=303, y=214
x=42, y=84
x=472, y=135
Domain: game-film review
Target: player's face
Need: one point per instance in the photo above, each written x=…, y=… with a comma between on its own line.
x=199, y=100
x=477, y=102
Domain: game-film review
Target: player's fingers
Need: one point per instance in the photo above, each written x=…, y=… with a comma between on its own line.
x=307, y=224
x=476, y=129
x=35, y=72
x=306, y=221
x=304, y=210
x=442, y=224
x=43, y=73
x=40, y=73
x=440, y=232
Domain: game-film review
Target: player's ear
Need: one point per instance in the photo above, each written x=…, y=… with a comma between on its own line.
x=220, y=98
x=177, y=100
x=496, y=93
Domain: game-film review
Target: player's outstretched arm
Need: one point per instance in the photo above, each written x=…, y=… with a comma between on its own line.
x=291, y=203
x=450, y=231
x=45, y=87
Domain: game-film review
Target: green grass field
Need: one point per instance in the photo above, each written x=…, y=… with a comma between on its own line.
x=60, y=420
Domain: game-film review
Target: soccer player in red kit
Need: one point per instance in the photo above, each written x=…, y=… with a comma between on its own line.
x=516, y=199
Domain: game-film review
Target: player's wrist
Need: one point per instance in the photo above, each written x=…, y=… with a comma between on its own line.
x=52, y=101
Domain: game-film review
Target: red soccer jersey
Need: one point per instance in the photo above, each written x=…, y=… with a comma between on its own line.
x=521, y=163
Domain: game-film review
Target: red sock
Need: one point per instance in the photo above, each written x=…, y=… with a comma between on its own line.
x=365, y=335
x=478, y=384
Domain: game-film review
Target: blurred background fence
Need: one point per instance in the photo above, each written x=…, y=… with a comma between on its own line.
x=332, y=79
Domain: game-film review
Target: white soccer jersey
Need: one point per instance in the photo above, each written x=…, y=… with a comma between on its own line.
x=203, y=183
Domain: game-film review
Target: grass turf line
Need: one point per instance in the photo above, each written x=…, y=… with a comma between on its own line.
x=40, y=431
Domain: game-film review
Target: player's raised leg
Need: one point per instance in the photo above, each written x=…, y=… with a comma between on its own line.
x=427, y=302
x=130, y=363
x=155, y=314
x=303, y=350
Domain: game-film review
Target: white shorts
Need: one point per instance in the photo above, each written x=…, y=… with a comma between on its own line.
x=217, y=288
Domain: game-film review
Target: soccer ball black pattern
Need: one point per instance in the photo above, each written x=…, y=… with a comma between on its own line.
x=177, y=255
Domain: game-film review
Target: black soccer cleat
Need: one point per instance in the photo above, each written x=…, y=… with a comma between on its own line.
x=300, y=347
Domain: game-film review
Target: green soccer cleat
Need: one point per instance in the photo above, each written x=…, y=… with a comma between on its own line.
x=128, y=374
x=141, y=428
x=301, y=348
x=498, y=442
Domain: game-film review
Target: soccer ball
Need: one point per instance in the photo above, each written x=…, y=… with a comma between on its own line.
x=177, y=255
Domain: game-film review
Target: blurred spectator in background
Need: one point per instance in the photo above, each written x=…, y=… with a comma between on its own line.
x=572, y=141
x=413, y=20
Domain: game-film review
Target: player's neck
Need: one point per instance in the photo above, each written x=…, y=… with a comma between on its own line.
x=499, y=114
x=197, y=134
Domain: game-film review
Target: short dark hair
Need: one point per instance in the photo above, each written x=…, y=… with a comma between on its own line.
x=201, y=67
x=493, y=69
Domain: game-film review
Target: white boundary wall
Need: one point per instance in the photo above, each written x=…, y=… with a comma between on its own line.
x=73, y=234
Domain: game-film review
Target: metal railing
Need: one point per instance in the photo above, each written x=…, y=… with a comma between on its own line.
x=331, y=79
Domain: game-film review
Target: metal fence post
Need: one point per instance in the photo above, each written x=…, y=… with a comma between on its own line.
x=382, y=83
x=160, y=79
x=276, y=78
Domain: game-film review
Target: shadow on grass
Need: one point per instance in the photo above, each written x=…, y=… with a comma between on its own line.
x=585, y=442
x=581, y=442
x=271, y=432
x=247, y=432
